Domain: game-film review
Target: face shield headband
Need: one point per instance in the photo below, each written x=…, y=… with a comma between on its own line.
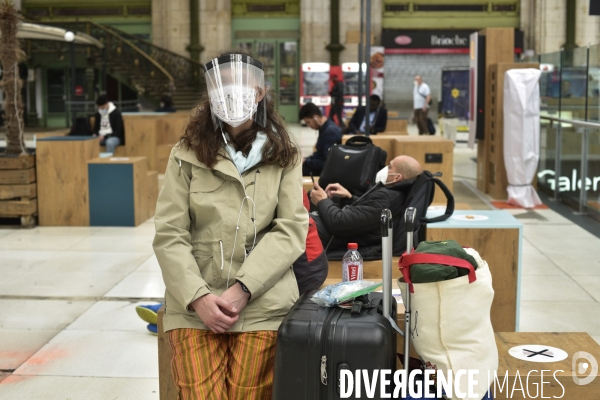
x=235, y=83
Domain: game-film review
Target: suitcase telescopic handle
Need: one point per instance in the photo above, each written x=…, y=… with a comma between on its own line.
x=386, y=256
x=409, y=221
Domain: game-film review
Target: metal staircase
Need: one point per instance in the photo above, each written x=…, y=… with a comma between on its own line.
x=188, y=74
x=150, y=70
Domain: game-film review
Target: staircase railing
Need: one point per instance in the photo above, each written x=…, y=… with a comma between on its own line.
x=145, y=73
x=183, y=69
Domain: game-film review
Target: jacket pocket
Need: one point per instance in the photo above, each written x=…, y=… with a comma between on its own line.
x=277, y=301
x=206, y=255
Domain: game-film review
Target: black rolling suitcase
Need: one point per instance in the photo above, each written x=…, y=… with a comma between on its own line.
x=315, y=343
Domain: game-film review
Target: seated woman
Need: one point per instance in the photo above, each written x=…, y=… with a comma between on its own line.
x=229, y=225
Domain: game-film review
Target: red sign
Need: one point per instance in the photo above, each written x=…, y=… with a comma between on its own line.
x=78, y=90
x=352, y=272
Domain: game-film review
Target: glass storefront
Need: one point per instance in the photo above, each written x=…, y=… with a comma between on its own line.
x=570, y=89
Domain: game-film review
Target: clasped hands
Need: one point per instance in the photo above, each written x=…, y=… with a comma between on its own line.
x=219, y=313
x=333, y=189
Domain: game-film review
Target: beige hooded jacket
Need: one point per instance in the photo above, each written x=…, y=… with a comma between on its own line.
x=199, y=252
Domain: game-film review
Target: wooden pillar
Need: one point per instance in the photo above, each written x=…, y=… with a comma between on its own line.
x=499, y=47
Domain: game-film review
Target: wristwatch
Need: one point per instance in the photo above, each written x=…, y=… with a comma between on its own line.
x=244, y=288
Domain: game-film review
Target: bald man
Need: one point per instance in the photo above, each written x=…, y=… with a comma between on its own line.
x=360, y=220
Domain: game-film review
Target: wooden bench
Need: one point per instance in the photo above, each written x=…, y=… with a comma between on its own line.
x=120, y=151
x=434, y=153
x=396, y=125
x=371, y=269
x=307, y=184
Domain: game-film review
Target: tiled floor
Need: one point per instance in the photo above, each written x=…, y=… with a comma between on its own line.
x=68, y=328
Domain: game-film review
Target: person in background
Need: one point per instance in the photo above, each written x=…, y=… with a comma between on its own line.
x=360, y=221
x=166, y=104
x=377, y=118
x=329, y=134
x=337, y=101
x=421, y=101
x=108, y=125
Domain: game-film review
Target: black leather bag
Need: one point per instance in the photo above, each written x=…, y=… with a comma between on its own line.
x=353, y=165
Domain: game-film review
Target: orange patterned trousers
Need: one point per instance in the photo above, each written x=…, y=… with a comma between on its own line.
x=221, y=366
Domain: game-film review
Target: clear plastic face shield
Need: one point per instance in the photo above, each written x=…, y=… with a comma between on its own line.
x=236, y=89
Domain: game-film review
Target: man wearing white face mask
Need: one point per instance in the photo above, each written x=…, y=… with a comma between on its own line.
x=329, y=134
x=108, y=125
x=359, y=221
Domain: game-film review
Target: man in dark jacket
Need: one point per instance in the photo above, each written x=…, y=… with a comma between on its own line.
x=108, y=125
x=337, y=100
x=377, y=118
x=360, y=220
x=329, y=134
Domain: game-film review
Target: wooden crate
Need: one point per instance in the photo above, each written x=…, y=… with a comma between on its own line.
x=18, y=189
x=63, y=179
x=497, y=180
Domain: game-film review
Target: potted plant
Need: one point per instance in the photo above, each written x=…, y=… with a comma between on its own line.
x=17, y=166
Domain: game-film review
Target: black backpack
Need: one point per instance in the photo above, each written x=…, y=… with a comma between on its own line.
x=353, y=165
x=420, y=196
x=81, y=127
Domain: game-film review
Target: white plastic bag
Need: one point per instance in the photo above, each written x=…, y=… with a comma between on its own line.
x=337, y=293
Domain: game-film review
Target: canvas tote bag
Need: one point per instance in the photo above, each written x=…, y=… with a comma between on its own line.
x=450, y=323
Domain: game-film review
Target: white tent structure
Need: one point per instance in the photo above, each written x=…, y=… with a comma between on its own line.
x=522, y=134
x=44, y=32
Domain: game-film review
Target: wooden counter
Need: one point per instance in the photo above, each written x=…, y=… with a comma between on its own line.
x=62, y=179
x=498, y=239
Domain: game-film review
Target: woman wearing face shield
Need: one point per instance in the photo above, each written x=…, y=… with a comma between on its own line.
x=230, y=222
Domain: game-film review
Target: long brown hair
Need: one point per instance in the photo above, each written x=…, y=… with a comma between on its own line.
x=204, y=139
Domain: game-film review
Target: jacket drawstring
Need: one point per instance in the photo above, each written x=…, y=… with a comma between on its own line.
x=180, y=167
x=222, y=258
